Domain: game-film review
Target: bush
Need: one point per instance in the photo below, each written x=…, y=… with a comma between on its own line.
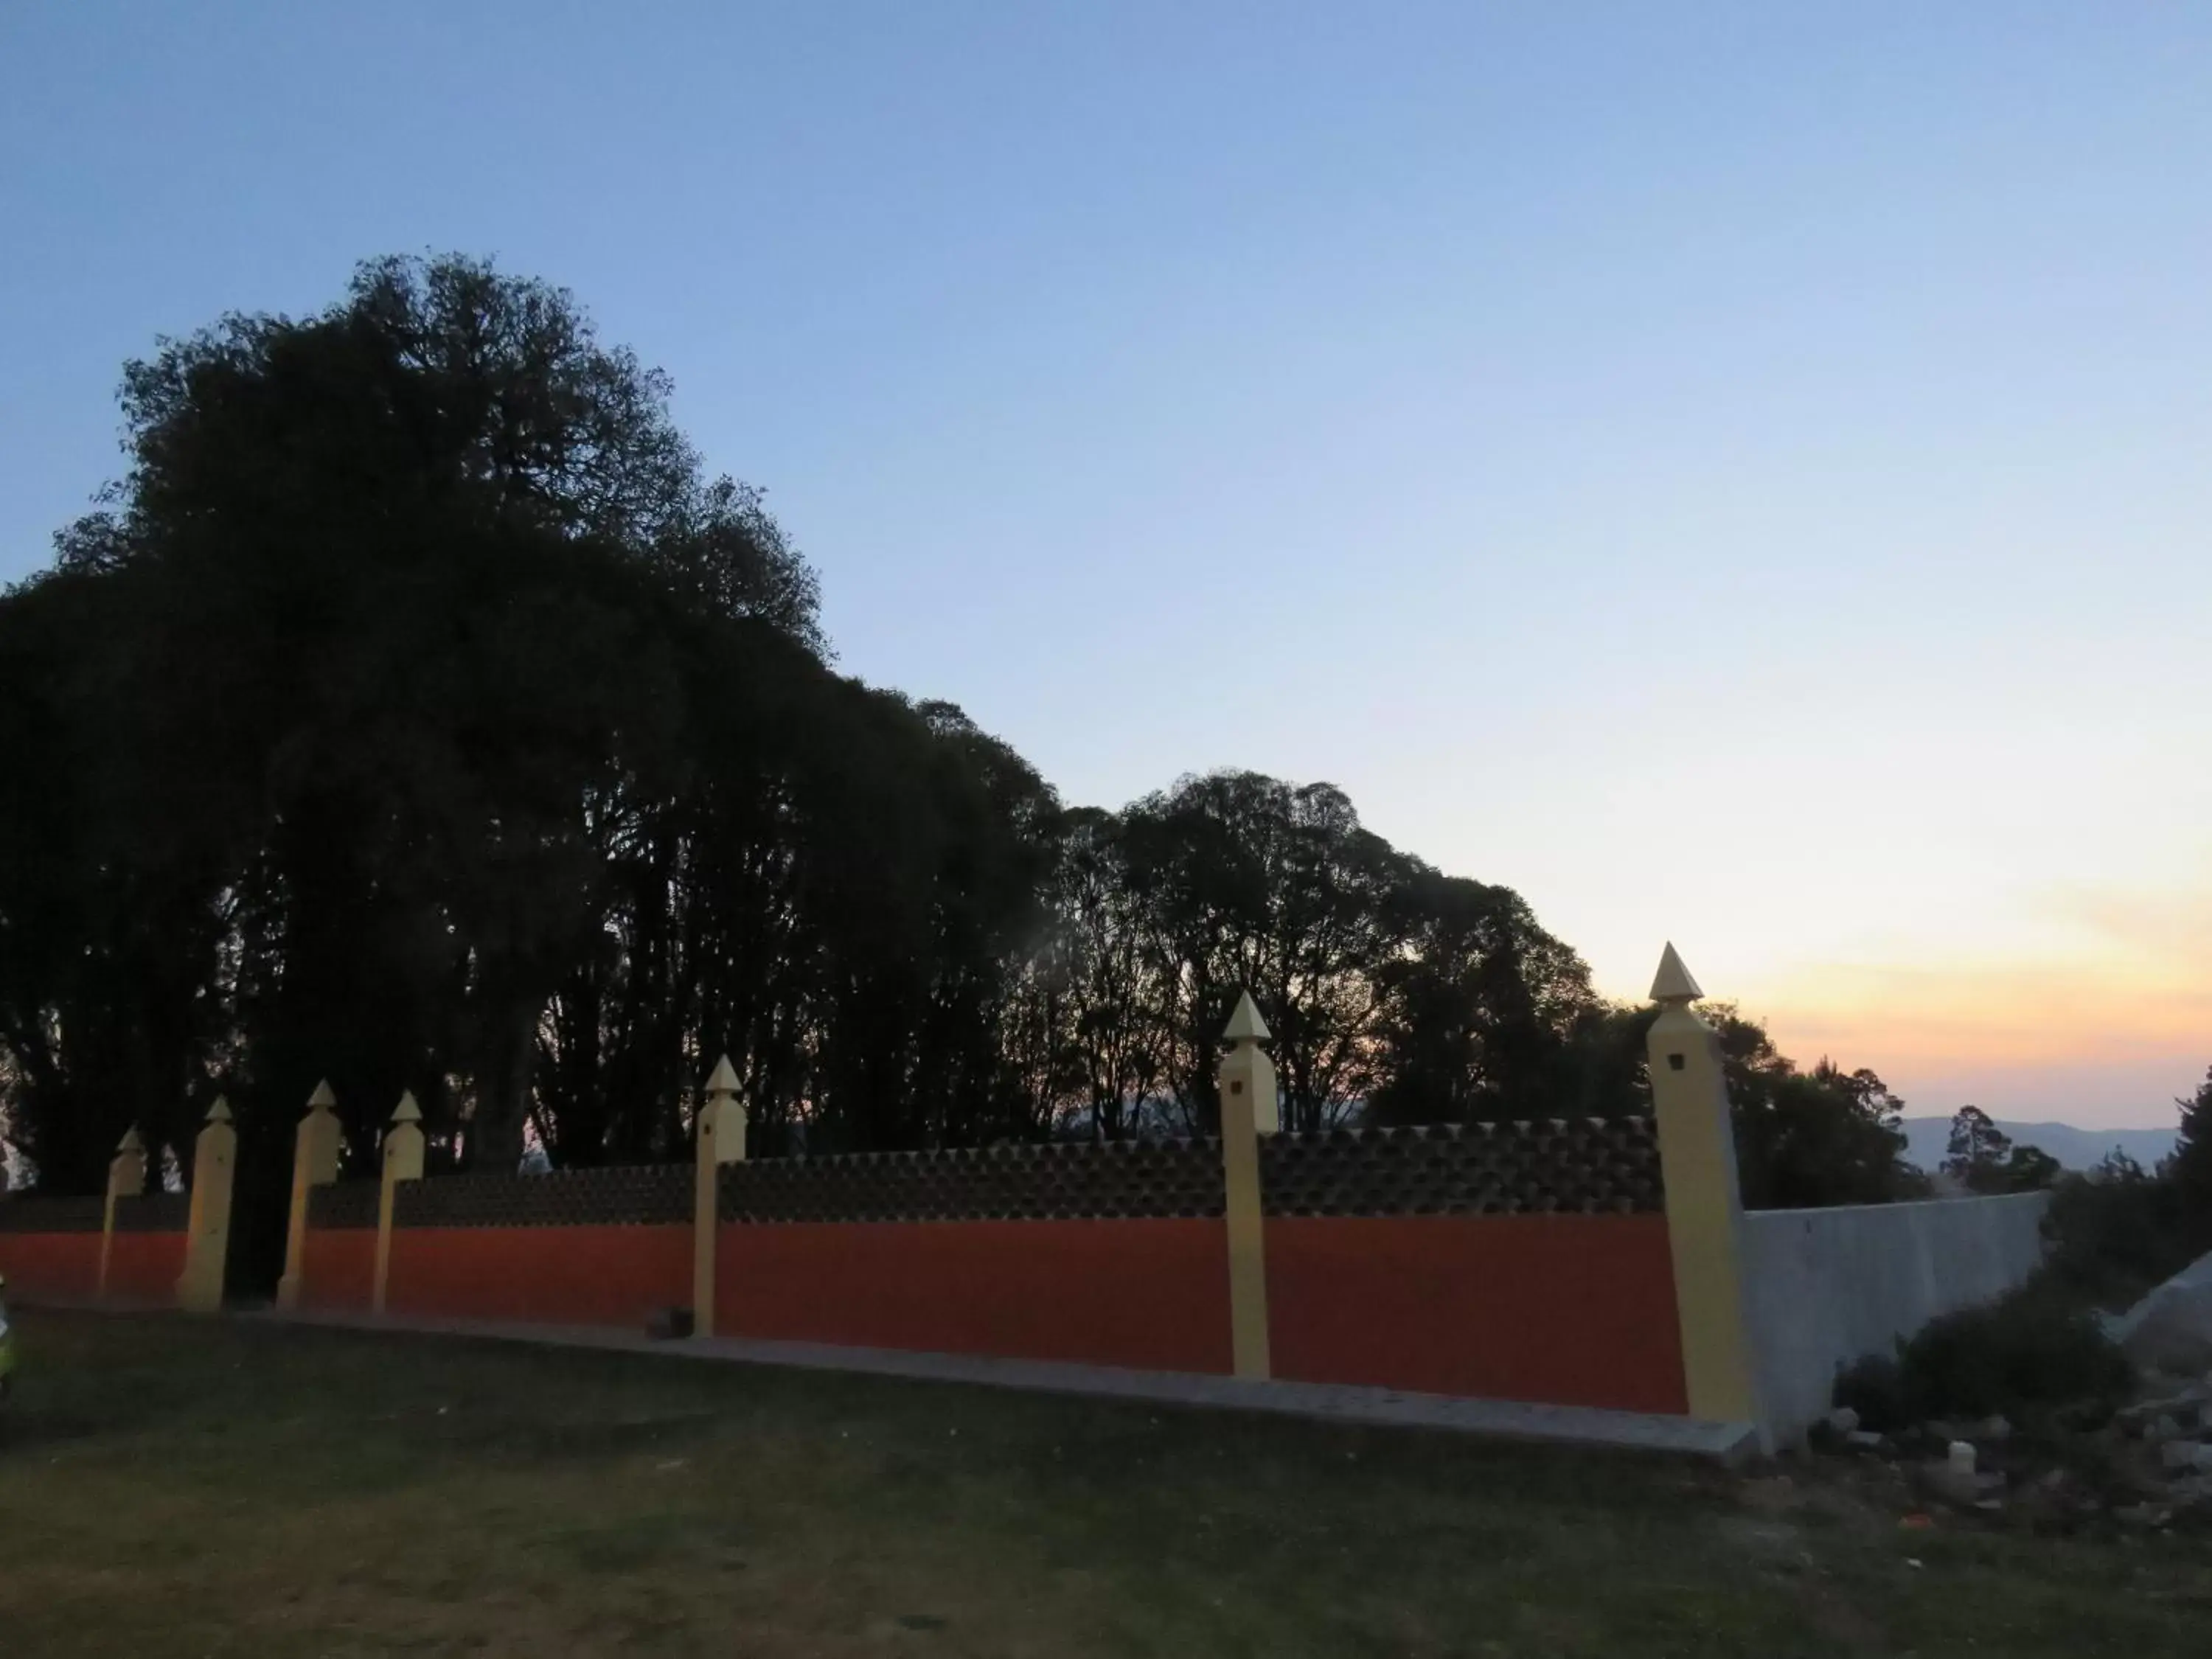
x=2029, y=1353
x=1875, y=1389
x=2117, y=1235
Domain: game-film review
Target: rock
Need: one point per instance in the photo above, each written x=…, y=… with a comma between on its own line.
x=2180, y=1455
x=1996, y=1428
x=2166, y=1397
x=1865, y=1439
x=1960, y=1457
x=1842, y=1420
x=2171, y=1329
x=2143, y=1515
x=2163, y=1427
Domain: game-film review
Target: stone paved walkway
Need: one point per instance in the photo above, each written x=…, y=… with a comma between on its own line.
x=1580, y=1425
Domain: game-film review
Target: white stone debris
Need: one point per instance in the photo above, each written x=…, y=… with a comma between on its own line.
x=2171, y=1329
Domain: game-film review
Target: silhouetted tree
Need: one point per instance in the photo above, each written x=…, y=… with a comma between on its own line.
x=416, y=712
x=1976, y=1146
x=2190, y=1163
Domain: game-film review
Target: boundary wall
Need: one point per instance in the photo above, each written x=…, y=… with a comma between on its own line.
x=1545, y=1262
x=127, y=1249
x=49, y=1247
x=1827, y=1287
x=1518, y=1261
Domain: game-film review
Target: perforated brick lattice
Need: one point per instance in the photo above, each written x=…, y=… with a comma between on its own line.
x=637, y=1194
x=344, y=1204
x=1582, y=1165
x=1058, y=1180
x=153, y=1212
x=35, y=1214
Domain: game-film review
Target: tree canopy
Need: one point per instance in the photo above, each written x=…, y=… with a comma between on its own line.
x=417, y=711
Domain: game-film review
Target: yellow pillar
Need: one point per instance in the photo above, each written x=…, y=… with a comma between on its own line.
x=403, y=1161
x=1246, y=1079
x=1705, y=1206
x=126, y=1177
x=721, y=1139
x=207, y=1243
x=314, y=1163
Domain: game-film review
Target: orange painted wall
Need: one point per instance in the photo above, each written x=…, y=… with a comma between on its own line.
x=339, y=1273
x=65, y=1265
x=1147, y=1293
x=142, y=1267
x=1570, y=1310
x=543, y=1275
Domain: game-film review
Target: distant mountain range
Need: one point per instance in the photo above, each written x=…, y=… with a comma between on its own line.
x=1927, y=1138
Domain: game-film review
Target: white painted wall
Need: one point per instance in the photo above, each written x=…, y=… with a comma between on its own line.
x=1826, y=1287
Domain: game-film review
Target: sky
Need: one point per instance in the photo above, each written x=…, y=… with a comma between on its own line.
x=1738, y=475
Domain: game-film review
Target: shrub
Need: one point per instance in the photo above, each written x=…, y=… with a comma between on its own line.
x=2020, y=1356
x=1875, y=1389
x=2116, y=1236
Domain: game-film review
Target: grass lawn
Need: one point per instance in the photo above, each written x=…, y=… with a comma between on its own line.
x=182, y=1488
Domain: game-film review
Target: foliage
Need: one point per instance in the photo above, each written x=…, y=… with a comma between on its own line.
x=2190, y=1166
x=418, y=712
x=1975, y=1145
x=1807, y=1139
x=1983, y=1158
x=2119, y=1231
x=2027, y=1170
x=2028, y=1353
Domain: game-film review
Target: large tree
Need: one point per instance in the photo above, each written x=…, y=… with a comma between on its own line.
x=417, y=712
x=2190, y=1166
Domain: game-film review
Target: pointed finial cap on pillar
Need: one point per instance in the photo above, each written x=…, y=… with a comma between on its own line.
x=323, y=1099
x=407, y=1111
x=1245, y=1024
x=130, y=1143
x=725, y=1079
x=219, y=1112
x=1673, y=983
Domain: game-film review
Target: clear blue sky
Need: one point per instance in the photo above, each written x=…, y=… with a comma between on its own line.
x=1741, y=474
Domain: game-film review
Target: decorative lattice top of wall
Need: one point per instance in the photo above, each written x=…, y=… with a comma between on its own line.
x=33, y=1213
x=153, y=1212
x=1581, y=1166
x=1054, y=1180
x=634, y=1194
x=1585, y=1166
x=344, y=1204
